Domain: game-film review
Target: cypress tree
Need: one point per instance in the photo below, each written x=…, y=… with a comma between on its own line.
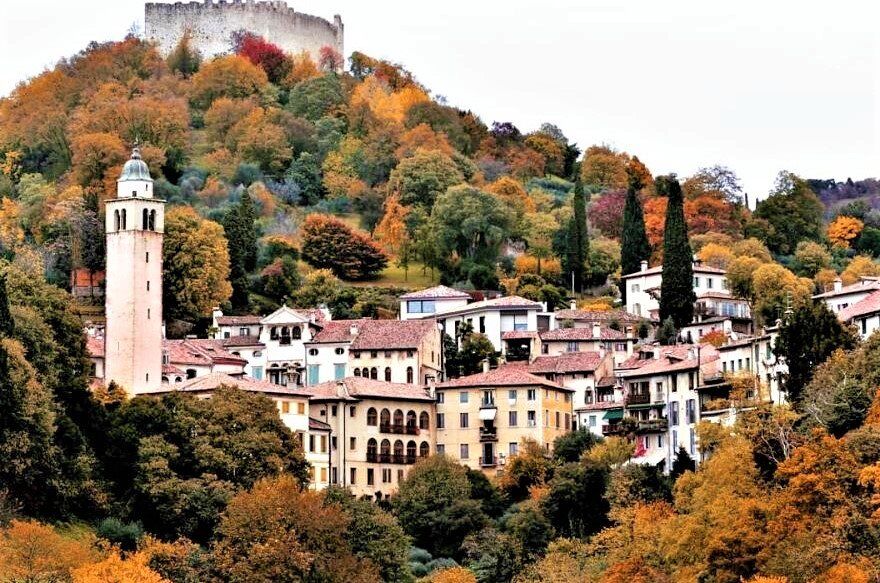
x=677, y=288
x=241, y=239
x=635, y=247
x=6, y=324
x=577, y=241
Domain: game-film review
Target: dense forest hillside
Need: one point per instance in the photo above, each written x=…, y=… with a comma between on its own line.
x=290, y=182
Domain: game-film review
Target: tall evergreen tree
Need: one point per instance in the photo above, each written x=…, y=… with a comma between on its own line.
x=5, y=316
x=635, y=247
x=677, y=288
x=577, y=242
x=241, y=236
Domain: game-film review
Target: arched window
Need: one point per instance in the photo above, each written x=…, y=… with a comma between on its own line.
x=177, y=379
x=409, y=374
x=296, y=332
x=371, y=416
x=398, y=449
x=385, y=420
x=398, y=418
x=123, y=220
x=285, y=335
x=146, y=219
x=411, y=451
x=372, y=448
x=190, y=373
x=385, y=451
x=388, y=373
x=374, y=373
x=424, y=420
x=152, y=220
x=357, y=372
x=410, y=419
x=116, y=220
x=424, y=450
x=165, y=379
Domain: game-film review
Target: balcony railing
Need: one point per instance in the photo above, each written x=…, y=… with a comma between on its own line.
x=652, y=425
x=388, y=458
x=398, y=428
x=615, y=429
x=488, y=462
x=488, y=434
x=638, y=399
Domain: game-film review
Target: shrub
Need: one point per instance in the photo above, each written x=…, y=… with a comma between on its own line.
x=329, y=243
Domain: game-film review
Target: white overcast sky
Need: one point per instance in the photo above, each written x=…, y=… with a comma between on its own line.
x=759, y=86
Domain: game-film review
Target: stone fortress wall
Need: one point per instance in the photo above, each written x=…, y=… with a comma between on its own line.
x=212, y=25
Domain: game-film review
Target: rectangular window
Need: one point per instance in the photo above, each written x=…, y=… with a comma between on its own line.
x=323, y=444
x=257, y=372
x=673, y=413
x=691, y=411
x=463, y=397
x=399, y=476
x=572, y=346
x=441, y=397
x=386, y=475
x=567, y=425
x=148, y=285
x=660, y=441
x=148, y=313
x=352, y=443
x=352, y=476
x=441, y=420
x=532, y=419
x=558, y=419
x=441, y=449
x=520, y=322
x=370, y=477
x=693, y=444
x=531, y=394
x=334, y=479
x=511, y=418
x=334, y=410
x=464, y=452
x=301, y=408
x=313, y=374
x=696, y=282
x=482, y=324
x=339, y=371
x=511, y=396
x=311, y=443
x=323, y=474
x=285, y=407
x=709, y=282
x=675, y=439
x=463, y=420
x=513, y=448
x=592, y=420
x=420, y=307
x=748, y=363
x=864, y=320
x=148, y=257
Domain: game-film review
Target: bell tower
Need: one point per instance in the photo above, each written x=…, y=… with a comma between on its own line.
x=135, y=223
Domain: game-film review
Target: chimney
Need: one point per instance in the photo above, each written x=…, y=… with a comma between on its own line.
x=432, y=386
x=602, y=352
x=486, y=365
x=656, y=351
x=644, y=265
x=341, y=389
x=838, y=284
x=572, y=304
x=630, y=332
x=353, y=329
x=597, y=330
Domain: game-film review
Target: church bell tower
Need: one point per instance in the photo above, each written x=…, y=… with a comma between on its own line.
x=135, y=223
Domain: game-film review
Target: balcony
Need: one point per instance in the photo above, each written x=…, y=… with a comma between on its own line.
x=602, y=404
x=615, y=429
x=488, y=462
x=652, y=425
x=388, y=458
x=398, y=428
x=488, y=434
x=638, y=399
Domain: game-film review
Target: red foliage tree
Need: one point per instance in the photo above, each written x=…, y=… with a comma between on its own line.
x=606, y=213
x=264, y=54
x=329, y=243
x=329, y=59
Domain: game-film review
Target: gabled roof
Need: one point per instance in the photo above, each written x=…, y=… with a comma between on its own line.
x=573, y=334
x=621, y=316
x=353, y=388
x=284, y=315
x=336, y=331
x=672, y=358
x=659, y=269
x=865, y=284
x=250, y=320
x=242, y=341
x=392, y=334
x=519, y=335
x=502, y=303
x=210, y=382
x=199, y=351
x=565, y=363
x=440, y=292
x=507, y=375
x=318, y=425
x=863, y=307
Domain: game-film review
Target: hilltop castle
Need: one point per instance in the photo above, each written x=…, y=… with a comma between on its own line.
x=212, y=25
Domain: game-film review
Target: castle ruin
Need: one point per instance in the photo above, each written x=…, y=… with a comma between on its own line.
x=212, y=25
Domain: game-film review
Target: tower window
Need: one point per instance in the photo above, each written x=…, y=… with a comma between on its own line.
x=123, y=220
x=146, y=219
x=116, y=220
x=148, y=313
x=152, y=222
x=148, y=285
x=148, y=257
x=148, y=377
x=134, y=192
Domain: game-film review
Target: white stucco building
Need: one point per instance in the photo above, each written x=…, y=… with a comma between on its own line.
x=643, y=287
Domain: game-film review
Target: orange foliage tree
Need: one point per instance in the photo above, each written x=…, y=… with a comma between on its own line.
x=844, y=230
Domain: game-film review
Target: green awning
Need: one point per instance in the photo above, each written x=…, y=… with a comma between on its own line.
x=614, y=415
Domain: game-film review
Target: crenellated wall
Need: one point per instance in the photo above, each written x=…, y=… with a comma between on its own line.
x=212, y=24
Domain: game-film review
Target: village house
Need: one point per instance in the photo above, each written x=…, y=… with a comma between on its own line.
x=378, y=431
x=864, y=314
x=615, y=319
x=482, y=419
x=422, y=303
x=842, y=296
x=643, y=287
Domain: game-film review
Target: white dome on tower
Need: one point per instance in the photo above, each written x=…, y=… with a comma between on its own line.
x=135, y=168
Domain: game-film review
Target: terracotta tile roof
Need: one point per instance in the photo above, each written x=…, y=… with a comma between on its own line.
x=318, y=425
x=337, y=331
x=507, y=375
x=436, y=292
x=864, y=284
x=95, y=346
x=564, y=363
x=519, y=335
x=672, y=358
x=863, y=307
x=621, y=316
x=249, y=320
x=244, y=340
x=315, y=314
x=606, y=382
x=564, y=334
x=82, y=277
x=659, y=269
x=171, y=369
x=502, y=303
x=359, y=387
x=392, y=334
x=209, y=382
x=199, y=351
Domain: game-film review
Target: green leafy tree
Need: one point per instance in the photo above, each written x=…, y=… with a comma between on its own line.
x=240, y=226
x=305, y=172
x=793, y=213
x=434, y=506
x=329, y=243
x=424, y=176
x=281, y=279
x=185, y=58
x=577, y=241
x=677, y=288
x=634, y=245
x=6, y=323
x=808, y=336
x=666, y=334
x=571, y=446
x=575, y=502
x=316, y=97
x=531, y=528
x=682, y=463
x=470, y=223
x=492, y=555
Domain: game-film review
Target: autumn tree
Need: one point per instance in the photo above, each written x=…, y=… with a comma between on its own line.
x=843, y=230
x=677, y=287
x=262, y=53
x=604, y=167
x=226, y=76
x=195, y=265
x=808, y=336
x=329, y=243
x=31, y=551
x=860, y=266
x=185, y=58
x=606, y=212
x=810, y=258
